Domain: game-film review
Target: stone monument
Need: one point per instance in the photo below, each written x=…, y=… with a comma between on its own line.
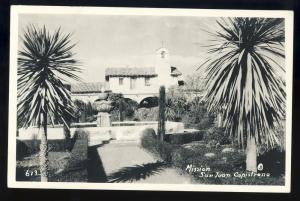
x=104, y=107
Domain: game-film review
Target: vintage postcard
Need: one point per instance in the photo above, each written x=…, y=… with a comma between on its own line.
x=150, y=99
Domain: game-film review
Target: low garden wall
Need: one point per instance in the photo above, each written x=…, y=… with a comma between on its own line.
x=119, y=131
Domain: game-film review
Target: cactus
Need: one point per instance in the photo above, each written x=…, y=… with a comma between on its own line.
x=161, y=113
x=121, y=108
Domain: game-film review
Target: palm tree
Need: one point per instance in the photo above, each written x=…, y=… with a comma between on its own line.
x=243, y=80
x=43, y=63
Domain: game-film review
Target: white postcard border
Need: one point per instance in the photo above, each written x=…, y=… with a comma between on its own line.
x=16, y=10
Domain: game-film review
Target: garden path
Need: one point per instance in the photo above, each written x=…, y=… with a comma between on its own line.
x=124, y=161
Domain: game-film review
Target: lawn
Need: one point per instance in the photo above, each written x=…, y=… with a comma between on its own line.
x=64, y=166
x=28, y=168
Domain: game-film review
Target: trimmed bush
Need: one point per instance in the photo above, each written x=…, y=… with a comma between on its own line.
x=80, y=145
x=77, y=163
x=160, y=149
x=183, y=138
x=149, y=132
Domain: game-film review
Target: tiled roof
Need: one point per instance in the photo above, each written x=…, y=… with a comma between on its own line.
x=130, y=72
x=87, y=87
x=175, y=71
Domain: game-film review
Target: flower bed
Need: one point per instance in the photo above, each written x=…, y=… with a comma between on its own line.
x=194, y=156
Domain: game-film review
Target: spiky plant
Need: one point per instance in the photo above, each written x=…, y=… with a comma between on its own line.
x=44, y=61
x=243, y=81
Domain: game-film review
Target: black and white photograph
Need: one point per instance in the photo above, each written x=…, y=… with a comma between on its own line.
x=150, y=99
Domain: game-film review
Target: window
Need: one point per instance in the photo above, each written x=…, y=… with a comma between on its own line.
x=132, y=83
x=121, y=79
x=147, y=81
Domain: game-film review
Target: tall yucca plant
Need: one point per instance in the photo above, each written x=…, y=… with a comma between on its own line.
x=242, y=80
x=43, y=63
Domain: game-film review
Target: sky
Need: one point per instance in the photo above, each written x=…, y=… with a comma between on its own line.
x=118, y=41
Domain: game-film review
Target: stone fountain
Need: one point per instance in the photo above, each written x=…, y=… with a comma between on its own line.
x=104, y=107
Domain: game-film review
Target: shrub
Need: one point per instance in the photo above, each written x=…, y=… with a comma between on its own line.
x=180, y=156
x=183, y=138
x=33, y=146
x=197, y=115
x=79, y=148
x=229, y=162
x=160, y=149
x=205, y=123
x=149, y=132
x=216, y=135
x=147, y=114
x=22, y=150
x=85, y=111
x=128, y=106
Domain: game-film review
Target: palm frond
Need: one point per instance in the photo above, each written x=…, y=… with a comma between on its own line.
x=137, y=172
x=243, y=81
x=44, y=63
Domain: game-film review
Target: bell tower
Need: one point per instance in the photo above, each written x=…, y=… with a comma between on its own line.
x=163, y=67
x=162, y=55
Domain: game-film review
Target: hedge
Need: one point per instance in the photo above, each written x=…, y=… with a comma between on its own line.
x=75, y=169
x=160, y=149
x=29, y=147
x=183, y=138
x=84, y=125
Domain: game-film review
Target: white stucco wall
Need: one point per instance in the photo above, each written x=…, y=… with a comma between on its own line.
x=163, y=71
x=140, y=87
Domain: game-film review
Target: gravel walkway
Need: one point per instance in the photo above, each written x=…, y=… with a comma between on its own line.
x=128, y=162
